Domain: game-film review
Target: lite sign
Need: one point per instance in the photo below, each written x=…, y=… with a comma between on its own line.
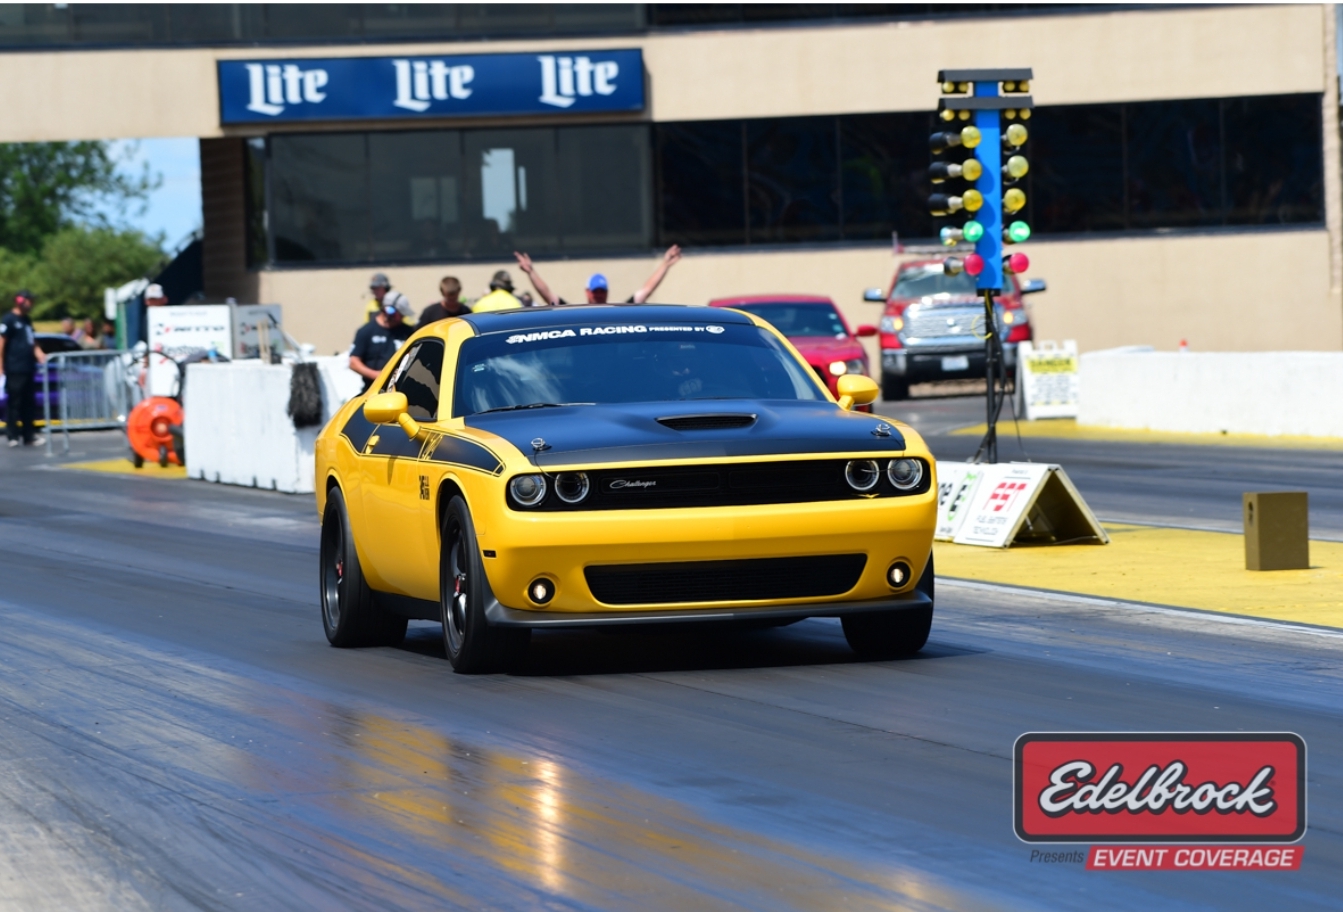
x=389, y=88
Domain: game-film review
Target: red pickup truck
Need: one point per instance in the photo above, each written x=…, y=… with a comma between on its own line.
x=933, y=326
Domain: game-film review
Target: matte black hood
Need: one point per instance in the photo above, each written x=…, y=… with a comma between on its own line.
x=595, y=434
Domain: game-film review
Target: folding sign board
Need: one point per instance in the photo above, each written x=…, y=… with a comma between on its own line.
x=1012, y=503
x=1047, y=380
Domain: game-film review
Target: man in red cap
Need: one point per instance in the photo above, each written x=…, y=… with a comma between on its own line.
x=20, y=355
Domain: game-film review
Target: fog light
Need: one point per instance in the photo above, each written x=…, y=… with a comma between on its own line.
x=899, y=574
x=572, y=487
x=541, y=591
x=528, y=490
x=905, y=474
x=862, y=474
x=838, y=368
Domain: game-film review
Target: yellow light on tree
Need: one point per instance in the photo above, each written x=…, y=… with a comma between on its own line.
x=1014, y=200
x=970, y=136
x=1016, y=134
x=1017, y=166
x=973, y=200
x=971, y=169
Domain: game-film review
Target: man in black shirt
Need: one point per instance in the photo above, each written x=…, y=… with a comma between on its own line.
x=376, y=342
x=450, y=306
x=20, y=355
x=597, y=289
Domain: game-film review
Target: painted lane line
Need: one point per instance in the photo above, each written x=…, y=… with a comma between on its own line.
x=1096, y=602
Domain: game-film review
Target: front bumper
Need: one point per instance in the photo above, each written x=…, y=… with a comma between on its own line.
x=499, y=616
x=922, y=363
x=520, y=547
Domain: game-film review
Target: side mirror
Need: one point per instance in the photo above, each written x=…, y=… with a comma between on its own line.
x=874, y=296
x=856, y=389
x=391, y=408
x=1033, y=285
x=866, y=330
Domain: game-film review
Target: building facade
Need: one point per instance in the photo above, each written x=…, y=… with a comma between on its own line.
x=1184, y=184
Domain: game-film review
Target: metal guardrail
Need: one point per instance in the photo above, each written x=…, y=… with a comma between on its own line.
x=92, y=390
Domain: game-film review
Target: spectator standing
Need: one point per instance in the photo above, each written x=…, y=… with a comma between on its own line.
x=377, y=340
x=450, y=304
x=108, y=335
x=87, y=336
x=381, y=288
x=20, y=354
x=500, y=296
x=154, y=296
x=598, y=289
x=68, y=328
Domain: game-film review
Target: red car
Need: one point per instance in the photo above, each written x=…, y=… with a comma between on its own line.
x=815, y=327
x=933, y=325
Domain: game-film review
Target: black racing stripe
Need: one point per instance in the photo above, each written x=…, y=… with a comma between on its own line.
x=458, y=451
x=358, y=429
x=392, y=441
x=720, y=449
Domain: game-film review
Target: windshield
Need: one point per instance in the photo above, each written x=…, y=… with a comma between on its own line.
x=926, y=281
x=591, y=364
x=795, y=320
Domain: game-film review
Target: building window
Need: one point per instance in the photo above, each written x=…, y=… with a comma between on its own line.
x=1115, y=167
x=442, y=195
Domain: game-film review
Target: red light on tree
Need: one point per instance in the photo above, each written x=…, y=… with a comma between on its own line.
x=1016, y=263
x=974, y=264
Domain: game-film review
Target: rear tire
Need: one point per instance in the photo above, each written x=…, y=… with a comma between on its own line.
x=892, y=634
x=471, y=644
x=894, y=389
x=351, y=615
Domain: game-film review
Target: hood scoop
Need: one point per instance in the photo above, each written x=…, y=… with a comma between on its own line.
x=714, y=422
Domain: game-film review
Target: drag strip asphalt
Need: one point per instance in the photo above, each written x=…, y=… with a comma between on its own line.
x=178, y=735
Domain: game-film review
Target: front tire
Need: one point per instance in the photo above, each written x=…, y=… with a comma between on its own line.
x=471, y=644
x=892, y=634
x=350, y=613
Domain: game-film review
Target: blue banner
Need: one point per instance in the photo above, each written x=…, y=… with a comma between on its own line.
x=387, y=88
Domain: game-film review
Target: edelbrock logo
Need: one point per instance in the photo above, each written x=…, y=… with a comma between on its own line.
x=1136, y=787
x=270, y=86
x=565, y=78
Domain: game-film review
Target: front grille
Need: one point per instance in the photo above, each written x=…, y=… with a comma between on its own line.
x=706, y=422
x=941, y=320
x=737, y=484
x=725, y=581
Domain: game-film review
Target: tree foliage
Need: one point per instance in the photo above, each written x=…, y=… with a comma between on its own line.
x=55, y=237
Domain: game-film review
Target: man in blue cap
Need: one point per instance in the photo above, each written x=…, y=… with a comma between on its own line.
x=598, y=289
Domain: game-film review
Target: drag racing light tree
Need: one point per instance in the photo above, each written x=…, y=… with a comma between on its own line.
x=977, y=167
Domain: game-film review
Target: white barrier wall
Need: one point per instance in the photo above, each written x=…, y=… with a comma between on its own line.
x=238, y=430
x=1272, y=393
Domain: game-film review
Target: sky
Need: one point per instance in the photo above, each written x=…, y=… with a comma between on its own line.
x=174, y=210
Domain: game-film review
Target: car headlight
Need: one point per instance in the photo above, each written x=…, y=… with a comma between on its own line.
x=528, y=490
x=572, y=487
x=838, y=368
x=862, y=474
x=905, y=474
x=891, y=324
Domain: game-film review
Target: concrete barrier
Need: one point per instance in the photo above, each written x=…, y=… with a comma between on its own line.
x=238, y=430
x=1271, y=393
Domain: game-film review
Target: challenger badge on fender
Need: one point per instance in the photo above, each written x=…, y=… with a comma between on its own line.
x=1159, y=787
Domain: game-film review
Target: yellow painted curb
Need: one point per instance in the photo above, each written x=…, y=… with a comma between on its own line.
x=126, y=467
x=1176, y=567
x=1069, y=429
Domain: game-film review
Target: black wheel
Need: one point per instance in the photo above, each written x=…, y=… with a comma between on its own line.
x=163, y=457
x=350, y=614
x=137, y=460
x=472, y=645
x=893, y=388
x=891, y=634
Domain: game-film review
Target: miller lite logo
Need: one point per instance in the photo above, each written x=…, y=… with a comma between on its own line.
x=271, y=86
x=565, y=79
x=1196, y=787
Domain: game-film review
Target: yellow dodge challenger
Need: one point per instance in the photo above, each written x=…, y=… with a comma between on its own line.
x=573, y=466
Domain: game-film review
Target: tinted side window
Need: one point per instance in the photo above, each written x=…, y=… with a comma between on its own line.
x=418, y=376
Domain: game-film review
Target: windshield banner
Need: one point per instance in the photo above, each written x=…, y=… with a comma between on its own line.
x=471, y=85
